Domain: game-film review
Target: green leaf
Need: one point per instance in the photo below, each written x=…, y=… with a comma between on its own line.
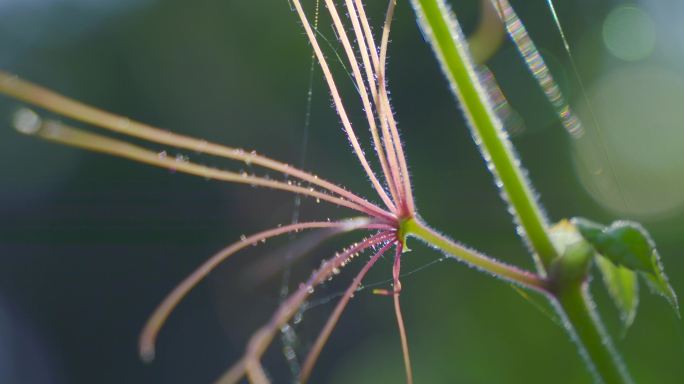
x=623, y=287
x=659, y=283
x=624, y=243
x=628, y=244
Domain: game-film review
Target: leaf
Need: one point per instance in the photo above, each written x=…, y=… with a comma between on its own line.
x=624, y=243
x=628, y=244
x=623, y=287
x=659, y=283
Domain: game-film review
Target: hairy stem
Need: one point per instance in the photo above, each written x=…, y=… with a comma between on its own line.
x=597, y=349
x=443, y=32
x=416, y=228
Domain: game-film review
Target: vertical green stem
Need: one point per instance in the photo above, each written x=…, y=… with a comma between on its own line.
x=590, y=335
x=445, y=36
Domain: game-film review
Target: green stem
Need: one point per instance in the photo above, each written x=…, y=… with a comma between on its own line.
x=451, y=49
x=441, y=28
x=598, y=350
x=416, y=228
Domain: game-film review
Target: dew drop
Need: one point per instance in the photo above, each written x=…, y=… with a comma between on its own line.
x=248, y=160
x=201, y=146
x=289, y=353
x=26, y=121
x=124, y=123
x=297, y=317
x=286, y=329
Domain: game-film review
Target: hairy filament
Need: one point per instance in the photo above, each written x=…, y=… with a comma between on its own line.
x=394, y=154
x=55, y=131
x=159, y=316
x=396, y=272
x=316, y=349
x=390, y=136
x=339, y=106
x=280, y=260
x=262, y=338
x=387, y=109
x=397, y=173
x=377, y=83
x=366, y=31
x=273, y=263
x=392, y=167
x=52, y=101
x=389, y=170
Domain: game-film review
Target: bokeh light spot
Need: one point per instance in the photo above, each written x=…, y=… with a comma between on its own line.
x=629, y=33
x=634, y=163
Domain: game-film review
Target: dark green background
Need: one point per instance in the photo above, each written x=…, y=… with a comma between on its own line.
x=90, y=244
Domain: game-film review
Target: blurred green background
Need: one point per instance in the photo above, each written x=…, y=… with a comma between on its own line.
x=90, y=244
